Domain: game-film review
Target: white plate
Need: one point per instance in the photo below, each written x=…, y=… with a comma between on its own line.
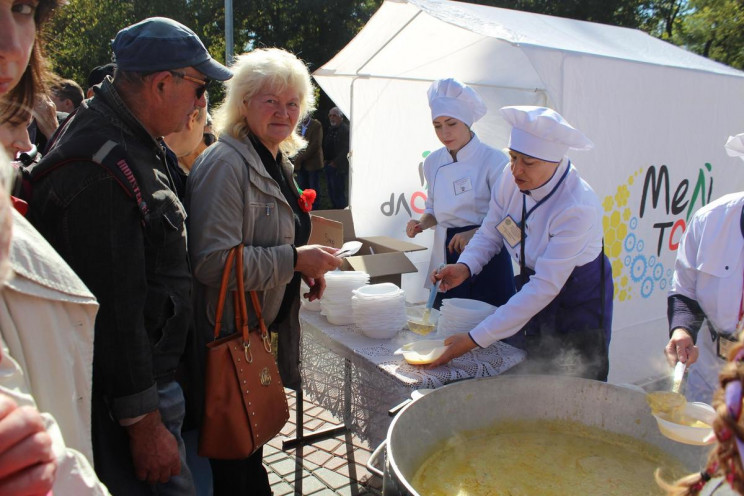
x=422, y=352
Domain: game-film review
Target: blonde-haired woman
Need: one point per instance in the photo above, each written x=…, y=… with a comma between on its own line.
x=241, y=190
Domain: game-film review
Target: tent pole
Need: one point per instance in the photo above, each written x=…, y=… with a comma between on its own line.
x=228, y=32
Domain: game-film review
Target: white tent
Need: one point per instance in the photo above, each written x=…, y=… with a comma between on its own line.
x=658, y=115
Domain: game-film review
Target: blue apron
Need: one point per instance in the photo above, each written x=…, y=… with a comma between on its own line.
x=566, y=337
x=494, y=284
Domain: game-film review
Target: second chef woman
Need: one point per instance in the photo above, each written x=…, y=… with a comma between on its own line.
x=459, y=178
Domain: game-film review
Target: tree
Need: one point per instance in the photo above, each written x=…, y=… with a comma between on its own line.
x=626, y=13
x=663, y=17
x=316, y=30
x=80, y=34
x=715, y=29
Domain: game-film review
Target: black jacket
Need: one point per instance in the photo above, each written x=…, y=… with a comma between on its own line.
x=336, y=147
x=136, y=265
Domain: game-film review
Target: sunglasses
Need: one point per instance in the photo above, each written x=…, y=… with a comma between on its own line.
x=203, y=84
x=209, y=139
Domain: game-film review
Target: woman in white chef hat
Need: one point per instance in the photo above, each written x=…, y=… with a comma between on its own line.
x=707, y=286
x=550, y=221
x=460, y=177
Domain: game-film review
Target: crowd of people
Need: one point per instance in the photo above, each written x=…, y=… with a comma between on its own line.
x=114, y=256
x=103, y=252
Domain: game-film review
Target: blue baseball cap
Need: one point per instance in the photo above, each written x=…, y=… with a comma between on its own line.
x=161, y=44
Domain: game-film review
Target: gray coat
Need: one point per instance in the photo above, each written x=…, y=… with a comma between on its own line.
x=230, y=198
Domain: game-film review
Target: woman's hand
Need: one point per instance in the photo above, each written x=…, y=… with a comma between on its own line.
x=451, y=275
x=457, y=345
x=413, y=228
x=317, y=287
x=460, y=240
x=315, y=260
x=27, y=463
x=680, y=348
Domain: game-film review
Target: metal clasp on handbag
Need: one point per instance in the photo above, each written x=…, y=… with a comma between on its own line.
x=247, y=351
x=266, y=338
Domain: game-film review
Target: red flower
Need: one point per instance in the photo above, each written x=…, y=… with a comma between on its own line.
x=306, y=199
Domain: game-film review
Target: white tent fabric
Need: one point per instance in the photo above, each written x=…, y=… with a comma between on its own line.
x=658, y=115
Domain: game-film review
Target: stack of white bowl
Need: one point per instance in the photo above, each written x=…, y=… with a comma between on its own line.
x=461, y=315
x=336, y=301
x=379, y=310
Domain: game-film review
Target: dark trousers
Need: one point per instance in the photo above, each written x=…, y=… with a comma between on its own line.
x=494, y=284
x=246, y=477
x=337, y=184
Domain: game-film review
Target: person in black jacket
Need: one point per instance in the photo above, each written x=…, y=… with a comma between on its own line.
x=128, y=245
x=335, y=154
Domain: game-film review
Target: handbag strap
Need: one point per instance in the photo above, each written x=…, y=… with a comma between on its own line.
x=223, y=292
x=235, y=258
x=241, y=310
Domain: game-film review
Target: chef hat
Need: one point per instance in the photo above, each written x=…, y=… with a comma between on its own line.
x=451, y=98
x=735, y=146
x=542, y=133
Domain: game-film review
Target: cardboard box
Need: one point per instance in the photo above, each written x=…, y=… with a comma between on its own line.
x=382, y=257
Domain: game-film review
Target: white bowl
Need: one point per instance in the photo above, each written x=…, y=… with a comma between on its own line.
x=688, y=434
x=339, y=318
x=422, y=352
x=313, y=306
x=466, y=305
x=385, y=289
x=380, y=332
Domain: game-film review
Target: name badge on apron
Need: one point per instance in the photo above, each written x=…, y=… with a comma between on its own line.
x=510, y=231
x=462, y=185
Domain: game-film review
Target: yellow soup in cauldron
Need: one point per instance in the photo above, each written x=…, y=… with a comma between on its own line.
x=527, y=458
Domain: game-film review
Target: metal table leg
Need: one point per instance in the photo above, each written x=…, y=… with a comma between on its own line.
x=300, y=438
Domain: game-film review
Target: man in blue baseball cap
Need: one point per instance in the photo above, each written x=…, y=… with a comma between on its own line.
x=104, y=198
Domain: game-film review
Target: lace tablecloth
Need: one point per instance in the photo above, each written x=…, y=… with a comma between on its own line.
x=359, y=379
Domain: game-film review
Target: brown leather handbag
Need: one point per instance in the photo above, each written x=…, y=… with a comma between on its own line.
x=245, y=405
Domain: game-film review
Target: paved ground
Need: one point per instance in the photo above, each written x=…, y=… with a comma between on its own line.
x=334, y=466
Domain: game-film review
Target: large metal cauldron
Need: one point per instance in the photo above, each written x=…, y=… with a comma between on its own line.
x=479, y=403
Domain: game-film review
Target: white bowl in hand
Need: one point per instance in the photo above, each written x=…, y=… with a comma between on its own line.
x=702, y=413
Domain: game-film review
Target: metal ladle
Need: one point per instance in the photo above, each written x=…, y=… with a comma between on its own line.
x=669, y=403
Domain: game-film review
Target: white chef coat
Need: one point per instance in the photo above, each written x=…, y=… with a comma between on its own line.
x=563, y=233
x=458, y=193
x=710, y=270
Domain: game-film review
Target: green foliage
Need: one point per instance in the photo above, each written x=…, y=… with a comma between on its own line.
x=715, y=29
x=626, y=13
x=80, y=34
x=663, y=18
